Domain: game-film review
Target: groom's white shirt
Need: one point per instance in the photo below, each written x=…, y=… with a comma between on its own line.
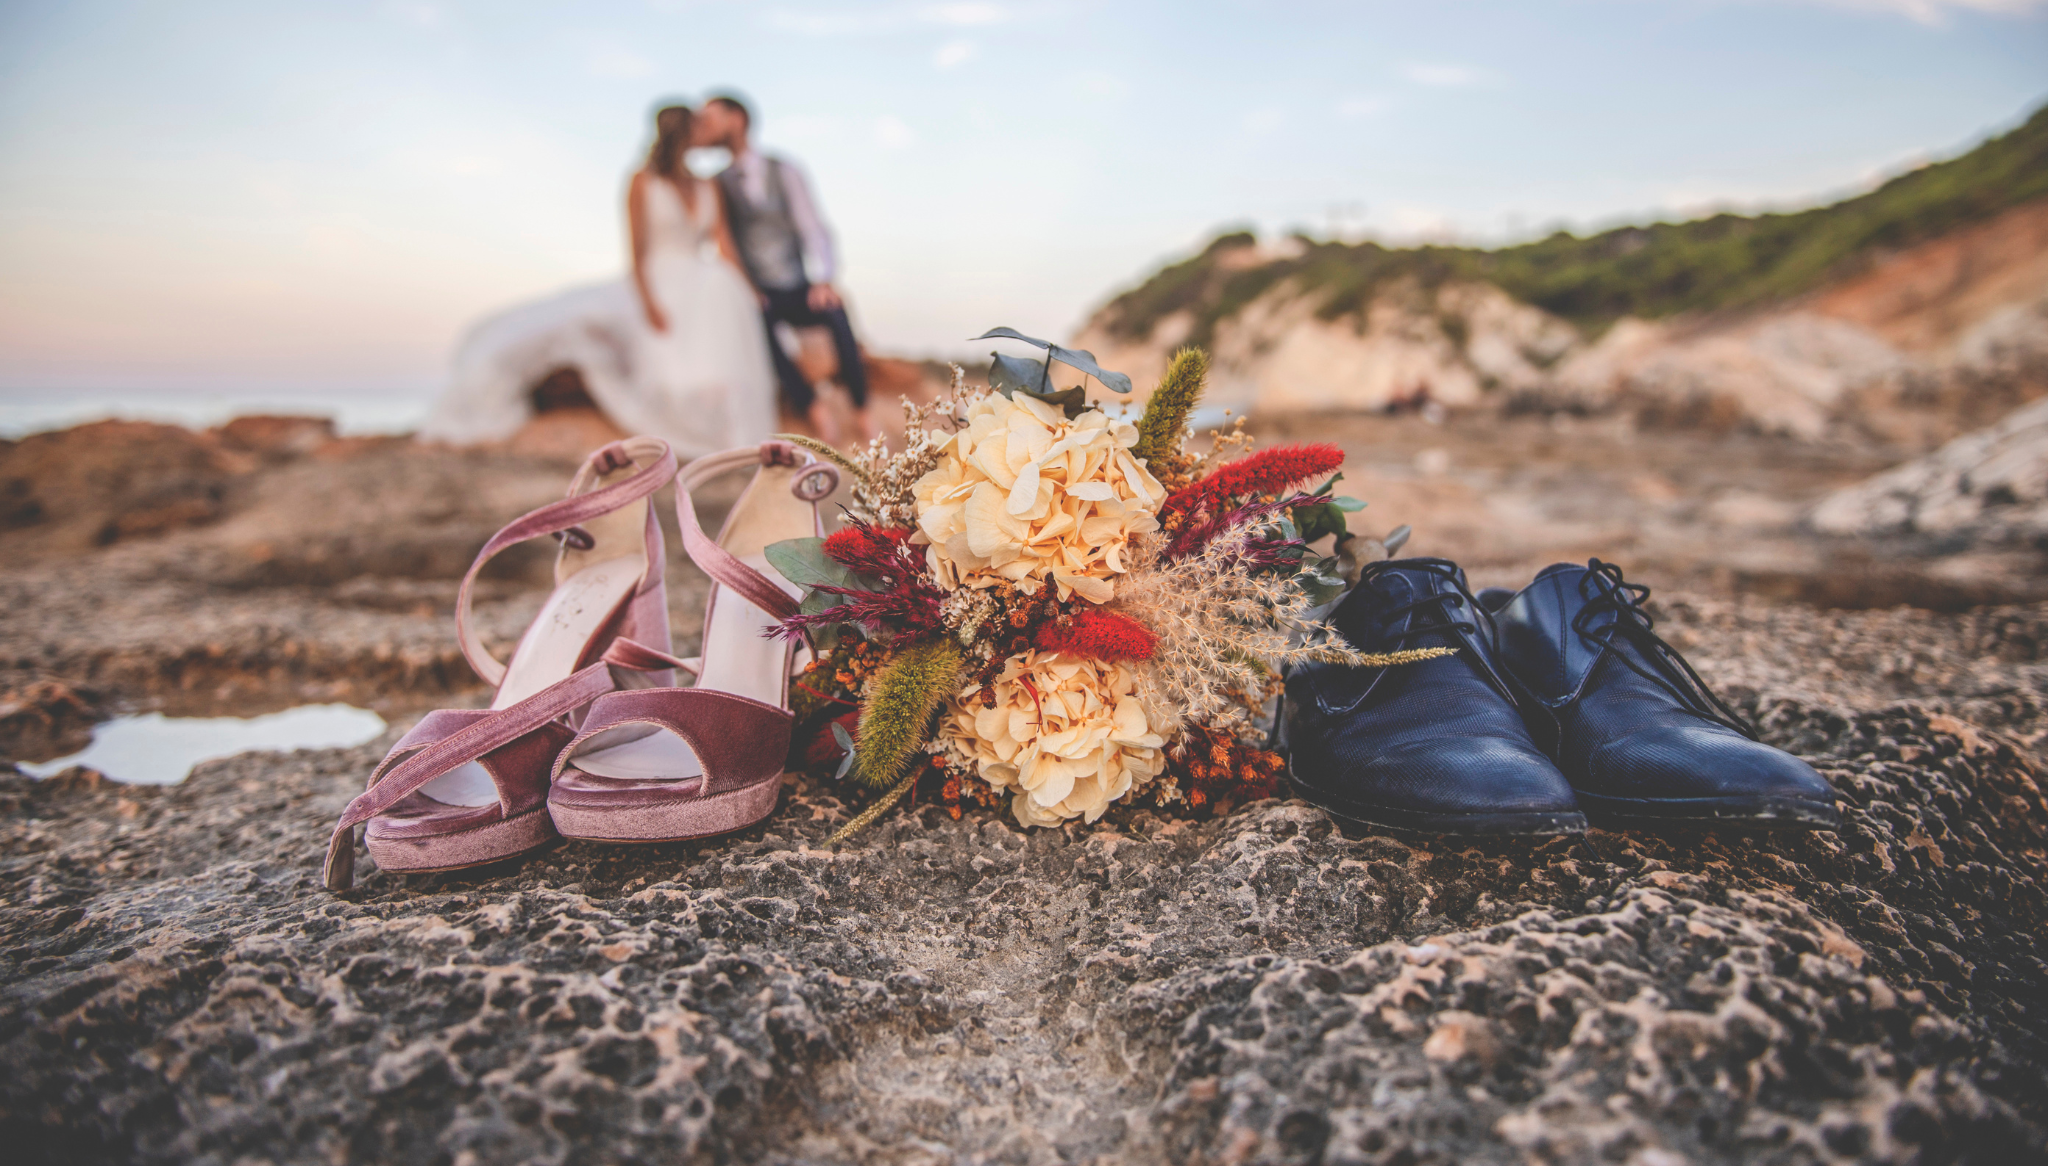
x=753, y=171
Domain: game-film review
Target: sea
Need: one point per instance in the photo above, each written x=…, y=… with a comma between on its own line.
x=363, y=413
x=27, y=411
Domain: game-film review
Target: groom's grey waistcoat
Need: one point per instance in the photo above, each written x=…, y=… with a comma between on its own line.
x=765, y=232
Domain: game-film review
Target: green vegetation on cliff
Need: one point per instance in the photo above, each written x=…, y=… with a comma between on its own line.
x=1726, y=261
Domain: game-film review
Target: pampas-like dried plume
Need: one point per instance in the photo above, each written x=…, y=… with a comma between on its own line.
x=1223, y=630
x=896, y=713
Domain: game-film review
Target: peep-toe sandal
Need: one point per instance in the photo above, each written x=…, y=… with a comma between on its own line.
x=469, y=786
x=664, y=765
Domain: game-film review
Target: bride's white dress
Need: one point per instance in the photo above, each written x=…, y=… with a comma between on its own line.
x=705, y=384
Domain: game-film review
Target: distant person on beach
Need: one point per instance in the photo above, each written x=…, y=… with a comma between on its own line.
x=786, y=250
x=678, y=351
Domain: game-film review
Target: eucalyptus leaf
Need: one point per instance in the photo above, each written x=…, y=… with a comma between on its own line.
x=818, y=602
x=803, y=561
x=1397, y=539
x=1009, y=373
x=1320, y=584
x=845, y=742
x=1072, y=401
x=1077, y=358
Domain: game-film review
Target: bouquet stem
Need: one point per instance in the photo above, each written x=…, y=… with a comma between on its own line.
x=867, y=817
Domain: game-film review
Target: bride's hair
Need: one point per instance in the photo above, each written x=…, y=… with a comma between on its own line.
x=671, y=138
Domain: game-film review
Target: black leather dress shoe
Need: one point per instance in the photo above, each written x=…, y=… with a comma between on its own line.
x=1641, y=737
x=1433, y=747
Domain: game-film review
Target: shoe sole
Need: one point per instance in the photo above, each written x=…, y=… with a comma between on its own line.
x=683, y=820
x=1746, y=813
x=509, y=838
x=1515, y=823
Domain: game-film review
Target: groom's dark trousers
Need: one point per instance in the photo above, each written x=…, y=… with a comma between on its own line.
x=792, y=306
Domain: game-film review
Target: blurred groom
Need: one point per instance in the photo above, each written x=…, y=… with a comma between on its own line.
x=776, y=225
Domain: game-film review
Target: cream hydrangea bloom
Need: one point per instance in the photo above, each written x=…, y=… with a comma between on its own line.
x=1066, y=736
x=1026, y=495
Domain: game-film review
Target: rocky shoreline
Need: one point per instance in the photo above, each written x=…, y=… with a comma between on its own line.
x=1268, y=987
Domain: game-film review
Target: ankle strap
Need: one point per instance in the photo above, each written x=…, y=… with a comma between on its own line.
x=818, y=481
x=557, y=517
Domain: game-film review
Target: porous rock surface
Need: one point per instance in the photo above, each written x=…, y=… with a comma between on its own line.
x=1269, y=987
x=1265, y=987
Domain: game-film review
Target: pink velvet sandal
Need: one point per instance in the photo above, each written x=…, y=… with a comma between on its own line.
x=664, y=765
x=469, y=786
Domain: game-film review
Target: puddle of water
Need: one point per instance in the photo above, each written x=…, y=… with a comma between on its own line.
x=158, y=750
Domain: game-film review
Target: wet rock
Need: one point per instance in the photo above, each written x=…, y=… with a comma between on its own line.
x=46, y=718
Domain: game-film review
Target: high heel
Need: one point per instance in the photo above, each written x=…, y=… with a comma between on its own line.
x=663, y=765
x=469, y=786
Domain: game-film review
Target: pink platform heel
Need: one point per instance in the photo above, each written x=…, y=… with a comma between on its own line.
x=469, y=786
x=669, y=764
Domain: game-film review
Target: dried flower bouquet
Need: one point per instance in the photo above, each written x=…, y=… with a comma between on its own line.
x=1037, y=603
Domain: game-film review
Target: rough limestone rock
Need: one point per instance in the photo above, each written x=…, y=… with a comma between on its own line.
x=175, y=986
x=1270, y=987
x=1989, y=486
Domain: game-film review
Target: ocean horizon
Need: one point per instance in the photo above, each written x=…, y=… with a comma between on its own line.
x=355, y=413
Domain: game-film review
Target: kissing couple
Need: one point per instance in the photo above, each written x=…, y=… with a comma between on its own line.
x=760, y=213
x=687, y=348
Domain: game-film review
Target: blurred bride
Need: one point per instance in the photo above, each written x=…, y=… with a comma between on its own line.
x=679, y=351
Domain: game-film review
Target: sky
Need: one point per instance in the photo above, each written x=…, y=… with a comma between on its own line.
x=323, y=196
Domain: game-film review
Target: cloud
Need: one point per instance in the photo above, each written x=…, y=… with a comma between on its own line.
x=967, y=14
x=419, y=15
x=954, y=54
x=1935, y=13
x=892, y=134
x=1442, y=76
x=853, y=20
x=825, y=23
x=1358, y=107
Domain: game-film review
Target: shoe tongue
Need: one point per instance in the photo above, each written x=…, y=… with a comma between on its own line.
x=1364, y=620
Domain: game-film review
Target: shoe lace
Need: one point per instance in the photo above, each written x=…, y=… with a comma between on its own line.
x=1459, y=596
x=1626, y=600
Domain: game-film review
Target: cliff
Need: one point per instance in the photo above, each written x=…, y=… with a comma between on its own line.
x=1906, y=315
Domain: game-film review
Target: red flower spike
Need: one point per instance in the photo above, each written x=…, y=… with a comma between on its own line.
x=1270, y=471
x=1100, y=635
x=867, y=549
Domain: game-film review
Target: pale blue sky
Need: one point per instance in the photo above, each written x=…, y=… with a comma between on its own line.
x=288, y=194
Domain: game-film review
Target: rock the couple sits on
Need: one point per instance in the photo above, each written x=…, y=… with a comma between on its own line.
x=687, y=347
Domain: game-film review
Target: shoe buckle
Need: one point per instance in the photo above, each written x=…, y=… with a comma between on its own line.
x=817, y=483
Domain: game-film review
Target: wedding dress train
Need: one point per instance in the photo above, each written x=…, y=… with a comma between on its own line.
x=703, y=385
